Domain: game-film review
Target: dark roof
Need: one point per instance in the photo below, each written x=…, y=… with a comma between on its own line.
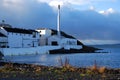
x=19, y=30
x=2, y=35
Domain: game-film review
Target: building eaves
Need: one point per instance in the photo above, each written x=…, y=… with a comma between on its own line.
x=19, y=30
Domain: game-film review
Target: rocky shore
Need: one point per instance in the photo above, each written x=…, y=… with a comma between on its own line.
x=16, y=71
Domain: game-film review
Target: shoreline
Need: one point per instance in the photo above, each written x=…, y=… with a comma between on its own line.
x=17, y=71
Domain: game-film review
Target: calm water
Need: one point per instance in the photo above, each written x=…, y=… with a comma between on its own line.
x=111, y=59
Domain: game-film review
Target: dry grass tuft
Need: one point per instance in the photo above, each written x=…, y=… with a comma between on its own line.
x=94, y=67
x=66, y=65
x=97, y=69
x=102, y=70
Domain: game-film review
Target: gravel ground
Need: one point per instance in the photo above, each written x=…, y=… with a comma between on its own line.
x=15, y=71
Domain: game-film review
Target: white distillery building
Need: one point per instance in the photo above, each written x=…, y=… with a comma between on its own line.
x=49, y=37
x=17, y=37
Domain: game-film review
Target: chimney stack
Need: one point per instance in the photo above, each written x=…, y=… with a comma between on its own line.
x=58, y=21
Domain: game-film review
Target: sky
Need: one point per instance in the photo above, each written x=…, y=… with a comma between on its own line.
x=92, y=21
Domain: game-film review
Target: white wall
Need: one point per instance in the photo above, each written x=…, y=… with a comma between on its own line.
x=67, y=41
x=44, y=32
x=19, y=39
x=54, y=38
x=48, y=32
x=62, y=41
x=22, y=40
x=28, y=51
x=14, y=40
x=44, y=35
x=3, y=42
x=72, y=47
x=3, y=39
x=43, y=41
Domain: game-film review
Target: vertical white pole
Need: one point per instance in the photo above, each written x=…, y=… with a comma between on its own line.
x=58, y=21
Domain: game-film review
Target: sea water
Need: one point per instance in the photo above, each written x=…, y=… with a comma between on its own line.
x=110, y=59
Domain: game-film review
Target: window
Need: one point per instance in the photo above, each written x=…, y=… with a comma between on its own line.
x=54, y=43
x=40, y=35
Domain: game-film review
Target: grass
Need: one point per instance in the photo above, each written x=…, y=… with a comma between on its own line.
x=15, y=71
x=96, y=69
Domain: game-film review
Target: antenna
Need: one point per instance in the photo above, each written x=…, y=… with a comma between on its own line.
x=58, y=21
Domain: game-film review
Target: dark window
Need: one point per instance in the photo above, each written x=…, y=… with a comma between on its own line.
x=54, y=43
x=40, y=35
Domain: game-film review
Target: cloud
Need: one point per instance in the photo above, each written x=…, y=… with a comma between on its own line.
x=103, y=12
x=107, y=12
x=83, y=24
x=56, y=3
x=92, y=8
x=65, y=1
x=13, y=4
x=90, y=24
x=26, y=14
x=73, y=2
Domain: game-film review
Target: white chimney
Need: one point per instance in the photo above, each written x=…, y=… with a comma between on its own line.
x=58, y=21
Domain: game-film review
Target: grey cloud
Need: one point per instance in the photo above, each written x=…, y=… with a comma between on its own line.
x=82, y=24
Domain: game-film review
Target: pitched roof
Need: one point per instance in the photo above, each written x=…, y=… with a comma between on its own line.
x=19, y=30
x=2, y=35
